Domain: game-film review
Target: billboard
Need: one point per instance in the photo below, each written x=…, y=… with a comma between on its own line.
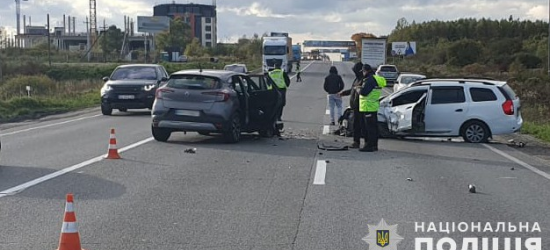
x=153, y=24
x=403, y=48
x=373, y=51
x=329, y=43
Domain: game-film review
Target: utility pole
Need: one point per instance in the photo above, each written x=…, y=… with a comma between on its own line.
x=548, y=37
x=104, y=41
x=49, y=43
x=88, y=38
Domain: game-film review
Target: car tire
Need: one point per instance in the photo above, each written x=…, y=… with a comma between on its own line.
x=123, y=109
x=233, y=134
x=106, y=109
x=203, y=133
x=161, y=134
x=383, y=131
x=475, y=132
x=267, y=132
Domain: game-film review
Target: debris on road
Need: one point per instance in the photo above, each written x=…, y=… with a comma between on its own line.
x=327, y=161
x=472, y=188
x=409, y=179
x=520, y=144
x=190, y=150
x=512, y=169
x=332, y=148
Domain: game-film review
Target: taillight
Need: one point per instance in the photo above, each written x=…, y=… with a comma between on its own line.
x=221, y=96
x=160, y=93
x=508, y=107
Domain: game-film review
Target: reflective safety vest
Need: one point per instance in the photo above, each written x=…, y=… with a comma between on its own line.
x=277, y=77
x=370, y=102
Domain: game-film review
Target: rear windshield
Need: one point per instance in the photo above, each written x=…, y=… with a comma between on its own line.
x=193, y=82
x=134, y=73
x=509, y=92
x=235, y=68
x=388, y=69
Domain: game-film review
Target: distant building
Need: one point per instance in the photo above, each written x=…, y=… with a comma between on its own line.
x=201, y=18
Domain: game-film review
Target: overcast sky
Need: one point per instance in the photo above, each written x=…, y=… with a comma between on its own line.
x=303, y=19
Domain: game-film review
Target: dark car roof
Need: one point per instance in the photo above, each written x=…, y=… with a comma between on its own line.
x=222, y=74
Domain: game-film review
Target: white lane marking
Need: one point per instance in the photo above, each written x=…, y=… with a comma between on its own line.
x=525, y=165
x=326, y=129
x=320, y=173
x=307, y=66
x=327, y=112
x=49, y=125
x=19, y=188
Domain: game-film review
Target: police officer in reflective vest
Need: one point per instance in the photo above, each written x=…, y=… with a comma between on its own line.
x=282, y=82
x=368, y=107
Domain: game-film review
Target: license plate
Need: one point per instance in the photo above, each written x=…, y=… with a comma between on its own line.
x=188, y=112
x=126, y=97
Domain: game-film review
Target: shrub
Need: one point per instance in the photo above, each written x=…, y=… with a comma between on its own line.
x=40, y=85
x=474, y=69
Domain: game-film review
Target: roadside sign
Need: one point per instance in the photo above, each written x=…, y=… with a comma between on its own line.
x=373, y=51
x=153, y=24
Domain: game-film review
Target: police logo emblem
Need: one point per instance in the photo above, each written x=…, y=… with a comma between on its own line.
x=382, y=236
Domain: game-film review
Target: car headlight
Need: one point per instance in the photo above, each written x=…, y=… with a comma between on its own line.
x=105, y=89
x=149, y=87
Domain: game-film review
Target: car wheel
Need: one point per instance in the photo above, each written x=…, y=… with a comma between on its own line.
x=233, y=134
x=106, y=109
x=268, y=132
x=383, y=131
x=123, y=109
x=161, y=134
x=203, y=133
x=475, y=132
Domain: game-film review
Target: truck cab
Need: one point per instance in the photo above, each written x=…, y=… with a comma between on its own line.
x=276, y=50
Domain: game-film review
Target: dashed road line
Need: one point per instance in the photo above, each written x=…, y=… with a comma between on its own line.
x=320, y=173
x=326, y=129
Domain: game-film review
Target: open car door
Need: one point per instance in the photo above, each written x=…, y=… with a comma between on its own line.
x=400, y=118
x=263, y=104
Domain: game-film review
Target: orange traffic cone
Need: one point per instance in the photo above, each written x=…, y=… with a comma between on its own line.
x=69, y=240
x=113, y=151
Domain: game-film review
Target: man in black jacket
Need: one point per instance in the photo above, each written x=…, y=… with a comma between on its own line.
x=333, y=85
x=353, y=92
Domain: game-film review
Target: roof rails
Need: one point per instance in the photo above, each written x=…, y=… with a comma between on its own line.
x=460, y=80
x=460, y=77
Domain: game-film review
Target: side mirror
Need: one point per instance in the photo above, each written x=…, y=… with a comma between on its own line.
x=105, y=79
x=163, y=79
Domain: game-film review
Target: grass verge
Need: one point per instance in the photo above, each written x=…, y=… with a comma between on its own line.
x=24, y=108
x=539, y=130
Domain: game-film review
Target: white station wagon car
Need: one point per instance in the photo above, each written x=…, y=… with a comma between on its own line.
x=475, y=109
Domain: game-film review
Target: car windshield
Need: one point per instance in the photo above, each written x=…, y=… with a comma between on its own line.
x=275, y=50
x=409, y=79
x=193, y=82
x=388, y=69
x=134, y=73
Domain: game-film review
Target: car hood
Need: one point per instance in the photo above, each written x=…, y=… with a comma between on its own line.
x=131, y=82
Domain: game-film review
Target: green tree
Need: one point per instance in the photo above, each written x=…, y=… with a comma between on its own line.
x=111, y=40
x=178, y=36
x=194, y=49
x=464, y=52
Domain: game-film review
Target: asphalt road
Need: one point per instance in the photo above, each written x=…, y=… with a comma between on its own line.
x=260, y=193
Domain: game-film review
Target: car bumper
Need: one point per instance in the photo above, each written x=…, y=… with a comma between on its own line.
x=203, y=122
x=139, y=101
